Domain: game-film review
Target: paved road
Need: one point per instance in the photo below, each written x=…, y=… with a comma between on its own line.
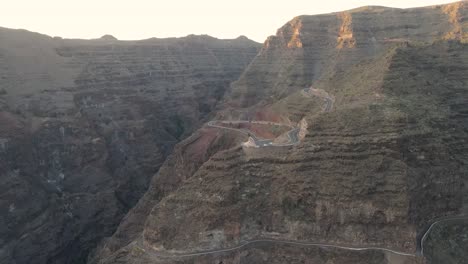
x=328, y=100
x=328, y=104
x=293, y=134
x=244, y=244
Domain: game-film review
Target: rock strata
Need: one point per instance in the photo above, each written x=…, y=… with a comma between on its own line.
x=312, y=48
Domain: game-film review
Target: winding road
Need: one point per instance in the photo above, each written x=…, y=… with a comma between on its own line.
x=293, y=134
x=160, y=254
x=328, y=99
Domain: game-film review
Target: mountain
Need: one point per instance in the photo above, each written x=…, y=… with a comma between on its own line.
x=312, y=48
x=84, y=125
x=379, y=172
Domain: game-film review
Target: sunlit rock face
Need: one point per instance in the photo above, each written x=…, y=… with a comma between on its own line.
x=373, y=172
x=84, y=125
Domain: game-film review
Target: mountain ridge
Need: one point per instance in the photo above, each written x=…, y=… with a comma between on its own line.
x=111, y=37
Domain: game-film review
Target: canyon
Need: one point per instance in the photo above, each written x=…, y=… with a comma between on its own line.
x=148, y=151
x=84, y=125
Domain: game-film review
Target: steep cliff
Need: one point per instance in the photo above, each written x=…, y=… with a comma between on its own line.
x=84, y=125
x=369, y=174
x=311, y=48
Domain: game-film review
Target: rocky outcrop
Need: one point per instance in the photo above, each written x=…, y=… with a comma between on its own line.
x=345, y=36
x=372, y=172
x=84, y=125
x=456, y=13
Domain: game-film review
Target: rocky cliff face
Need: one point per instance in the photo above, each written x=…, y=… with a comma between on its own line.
x=372, y=172
x=311, y=48
x=84, y=125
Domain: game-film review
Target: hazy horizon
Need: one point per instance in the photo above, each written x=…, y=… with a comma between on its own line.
x=143, y=19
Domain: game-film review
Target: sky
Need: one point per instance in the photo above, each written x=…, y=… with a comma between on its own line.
x=141, y=19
